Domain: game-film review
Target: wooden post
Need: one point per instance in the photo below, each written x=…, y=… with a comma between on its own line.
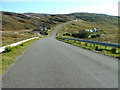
x=74, y=41
x=79, y=42
x=106, y=47
x=93, y=45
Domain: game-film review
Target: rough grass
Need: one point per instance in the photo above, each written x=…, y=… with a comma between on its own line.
x=12, y=37
x=17, y=21
x=110, y=30
x=110, y=51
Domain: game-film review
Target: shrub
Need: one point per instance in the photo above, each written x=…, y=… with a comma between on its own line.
x=8, y=49
x=81, y=34
x=94, y=35
x=66, y=34
x=21, y=44
x=113, y=50
x=85, y=44
x=96, y=48
x=44, y=33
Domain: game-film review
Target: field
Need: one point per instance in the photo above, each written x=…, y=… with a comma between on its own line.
x=9, y=37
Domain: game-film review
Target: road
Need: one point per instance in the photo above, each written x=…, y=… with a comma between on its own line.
x=49, y=63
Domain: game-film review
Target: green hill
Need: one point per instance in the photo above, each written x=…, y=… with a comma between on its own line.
x=106, y=23
x=19, y=21
x=98, y=18
x=16, y=21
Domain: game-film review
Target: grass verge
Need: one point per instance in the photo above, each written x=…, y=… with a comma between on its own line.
x=9, y=55
x=110, y=51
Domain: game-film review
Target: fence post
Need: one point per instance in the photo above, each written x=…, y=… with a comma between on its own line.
x=106, y=47
x=74, y=41
x=79, y=42
x=85, y=44
x=93, y=45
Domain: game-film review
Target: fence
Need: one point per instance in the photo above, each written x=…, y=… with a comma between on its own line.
x=94, y=42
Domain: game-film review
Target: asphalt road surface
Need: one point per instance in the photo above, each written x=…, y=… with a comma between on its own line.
x=49, y=63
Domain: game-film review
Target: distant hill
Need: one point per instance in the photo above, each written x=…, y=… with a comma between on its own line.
x=30, y=13
x=98, y=18
x=18, y=21
x=107, y=24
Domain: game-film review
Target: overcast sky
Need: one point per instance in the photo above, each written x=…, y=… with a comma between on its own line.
x=109, y=7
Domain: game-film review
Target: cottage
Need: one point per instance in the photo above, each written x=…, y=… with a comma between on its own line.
x=41, y=29
x=94, y=30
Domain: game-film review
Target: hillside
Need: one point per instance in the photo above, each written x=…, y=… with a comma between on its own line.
x=17, y=21
x=108, y=25
x=98, y=18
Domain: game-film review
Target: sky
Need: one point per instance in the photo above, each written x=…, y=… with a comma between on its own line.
x=109, y=7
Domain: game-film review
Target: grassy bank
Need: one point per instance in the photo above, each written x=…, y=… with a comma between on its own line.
x=14, y=36
x=110, y=51
x=10, y=54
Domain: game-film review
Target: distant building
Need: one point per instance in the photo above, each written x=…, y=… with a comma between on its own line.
x=41, y=29
x=94, y=30
x=76, y=20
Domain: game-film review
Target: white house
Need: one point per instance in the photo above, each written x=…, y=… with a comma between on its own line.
x=41, y=29
x=94, y=30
